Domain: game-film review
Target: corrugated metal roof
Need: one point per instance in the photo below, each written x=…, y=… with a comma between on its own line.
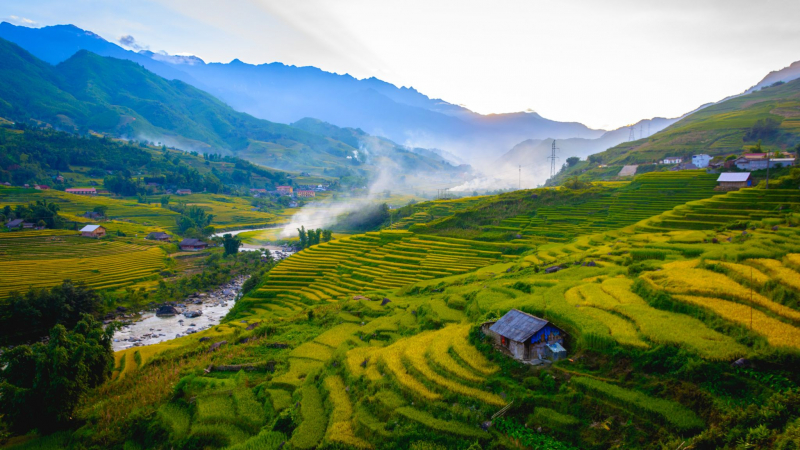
x=191, y=241
x=733, y=177
x=517, y=325
x=89, y=228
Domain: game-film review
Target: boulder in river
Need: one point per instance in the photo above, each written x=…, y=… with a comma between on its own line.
x=166, y=311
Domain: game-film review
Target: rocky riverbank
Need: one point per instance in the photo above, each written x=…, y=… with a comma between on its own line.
x=171, y=320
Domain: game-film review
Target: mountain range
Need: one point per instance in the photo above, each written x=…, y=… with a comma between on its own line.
x=286, y=94
x=88, y=92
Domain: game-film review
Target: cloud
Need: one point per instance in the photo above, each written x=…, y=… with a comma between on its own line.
x=22, y=21
x=130, y=42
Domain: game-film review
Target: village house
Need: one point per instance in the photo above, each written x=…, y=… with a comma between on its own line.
x=759, y=161
x=60, y=179
x=731, y=181
x=14, y=224
x=305, y=193
x=93, y=215
x=183, y=192
x=93, y=231
x=284, y=190
x=192, y=245
x=701, y=161
x=41, y=187
x=672, y=160
x=526, y=337
x=258, y=192
x=81, y=191
x=158, y=236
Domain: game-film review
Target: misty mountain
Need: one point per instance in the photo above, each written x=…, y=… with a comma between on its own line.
x=286, y=94
x=532, y=154
x=88, y=92
x=787, y=74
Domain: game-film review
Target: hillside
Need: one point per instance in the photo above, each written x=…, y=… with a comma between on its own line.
x=372, y=341
x=118, y=97
x=732, y=127
x=285, y=94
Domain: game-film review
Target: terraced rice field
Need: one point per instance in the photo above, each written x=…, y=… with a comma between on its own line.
x=743, y=205
x=48, y=257
x=428, y=211
x=649, y=194
x=372, y=261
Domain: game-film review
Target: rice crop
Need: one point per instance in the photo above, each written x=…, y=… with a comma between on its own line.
x=176, y=418
x=265, y=440
x=312, y=428
x=445, y=426
x=664, y=411
x=777, y=333
x=340, y=428
x=712, y=284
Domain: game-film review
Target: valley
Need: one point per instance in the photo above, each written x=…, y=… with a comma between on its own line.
x=203, y=255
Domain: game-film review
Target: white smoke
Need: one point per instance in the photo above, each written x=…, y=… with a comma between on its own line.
x=322, y=214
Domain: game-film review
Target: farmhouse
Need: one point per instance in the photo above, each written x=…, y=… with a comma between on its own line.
x=526, y=337
x=730, y=181
x=672, y=160
x=81, y=191
x=684, y=166
x=158, y=236
x=184, y=192
x=41, y=187
x=305, y=193
x=93, y=231
x=284, y=190
x=192, y=245
x=14, y=224
x=701, y=161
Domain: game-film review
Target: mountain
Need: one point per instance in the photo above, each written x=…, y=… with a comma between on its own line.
x=532, y=154
x=286, y=94
x=121, y=98
x=770, y=115
x=792, y=72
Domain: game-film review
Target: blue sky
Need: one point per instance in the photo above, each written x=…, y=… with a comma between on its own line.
x=604, y=63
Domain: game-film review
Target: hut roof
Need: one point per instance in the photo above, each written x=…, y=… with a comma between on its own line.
x=733, y=177
x=90, y=228
x=518, y=326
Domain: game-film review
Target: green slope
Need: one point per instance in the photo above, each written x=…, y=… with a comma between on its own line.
x=92, y=93
x=726, y=128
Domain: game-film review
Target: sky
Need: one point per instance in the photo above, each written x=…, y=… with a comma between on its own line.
x=602, y=63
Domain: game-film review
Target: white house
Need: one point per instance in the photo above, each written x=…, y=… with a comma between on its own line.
x=701, y=161
x=672, y=160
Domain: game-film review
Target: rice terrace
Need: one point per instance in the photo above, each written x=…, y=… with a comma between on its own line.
x=202, y=254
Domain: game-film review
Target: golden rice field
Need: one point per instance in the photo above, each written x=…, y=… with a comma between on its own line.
x=46, y=259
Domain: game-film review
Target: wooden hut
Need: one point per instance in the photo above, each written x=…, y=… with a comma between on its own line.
x=93, y=231
x=527, y=337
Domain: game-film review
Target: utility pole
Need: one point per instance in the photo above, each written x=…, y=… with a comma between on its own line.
x=751, y=298
x=553, y=159
x=767, y=169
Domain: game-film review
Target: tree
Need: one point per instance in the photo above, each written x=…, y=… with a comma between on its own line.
x=231, y=244
x=303, y=236
x=42, y=384
x=164, y=201
x=28, y=317
x=572, y=160
x=101, y=209
x=327, y=235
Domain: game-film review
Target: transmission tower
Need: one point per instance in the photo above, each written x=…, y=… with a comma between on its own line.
x=553, y=159
x=632, y=134
x=648, y=129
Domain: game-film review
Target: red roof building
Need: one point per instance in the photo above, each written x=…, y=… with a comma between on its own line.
x=305, y=193
x=81, y=191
